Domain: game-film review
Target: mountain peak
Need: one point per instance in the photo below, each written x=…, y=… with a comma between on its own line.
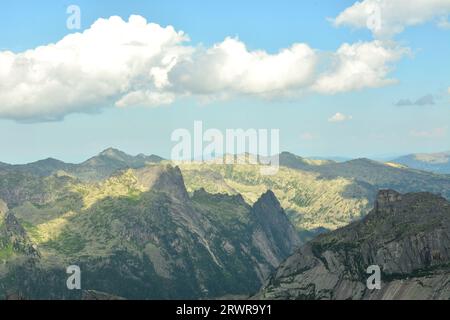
x=289, y=155
x=267, y=204
x=273, y=220
x=116, y=154
x=51, y=161
x=165, y=178
x=113, y=153
x=269, y=196
x=386, y=198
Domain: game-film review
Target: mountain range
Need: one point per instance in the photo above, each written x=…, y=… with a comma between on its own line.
x=140, y=227
x=433, y=162
x=96, y=168
x=316, y=194
x=140, y=235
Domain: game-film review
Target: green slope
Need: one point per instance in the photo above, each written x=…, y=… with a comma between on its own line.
x=316, y=194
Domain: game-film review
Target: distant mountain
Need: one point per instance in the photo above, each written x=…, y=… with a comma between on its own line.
x=44, y=167
x=378, y=175
x=331, y=158
x=110, y=161
x=135, y=235
x=116, y=158
x=310, y=202
x=296, y=162
x=407, y=236
x=141, y=228
x=315, y=194
x=433, y=162
x=96, y=168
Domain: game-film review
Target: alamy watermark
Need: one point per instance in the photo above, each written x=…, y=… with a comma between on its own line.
x=374, y=22
x=233, y=146
x=74, y=280
x=74, y=20
x=374, y=281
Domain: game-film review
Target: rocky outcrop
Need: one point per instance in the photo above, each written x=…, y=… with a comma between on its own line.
x=163, y=178
x=407, y=236
x=274, y=234
x=13, y=237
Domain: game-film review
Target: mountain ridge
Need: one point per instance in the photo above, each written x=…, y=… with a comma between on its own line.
x=316, y=194
x=98, y=167
x=406, y=235
x=432, y=162
x=140, y=235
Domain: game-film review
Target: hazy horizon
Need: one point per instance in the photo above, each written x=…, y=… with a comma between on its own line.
x=381, y=158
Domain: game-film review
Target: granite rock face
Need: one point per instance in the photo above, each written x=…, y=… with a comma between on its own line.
x=407, y=236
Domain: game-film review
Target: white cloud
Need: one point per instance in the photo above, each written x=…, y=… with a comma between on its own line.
x=360, y=65
x=433, y=133
x=112, y=62
x=448, y=90
x=340, y=117
x=230, y=67
x=136, y=63
x=388, y=17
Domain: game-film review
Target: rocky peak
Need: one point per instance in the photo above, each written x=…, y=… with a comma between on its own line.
x=407, y=236
x=12, y=233
x=113, y=153
x=118, y=155
x=274, y=223
x=165, y=178
x=386, y=199
x=268, y=201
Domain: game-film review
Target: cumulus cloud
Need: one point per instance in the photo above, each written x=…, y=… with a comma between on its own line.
x=112, y=62
x=427, y=100
x=136, y=63
x=230, y=67
x=360, y=65
x=340, y=117
x=386, y=18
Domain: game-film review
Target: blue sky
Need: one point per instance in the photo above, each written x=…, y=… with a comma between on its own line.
x=372, y=125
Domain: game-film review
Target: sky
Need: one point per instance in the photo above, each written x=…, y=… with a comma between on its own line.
x=337, y=78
